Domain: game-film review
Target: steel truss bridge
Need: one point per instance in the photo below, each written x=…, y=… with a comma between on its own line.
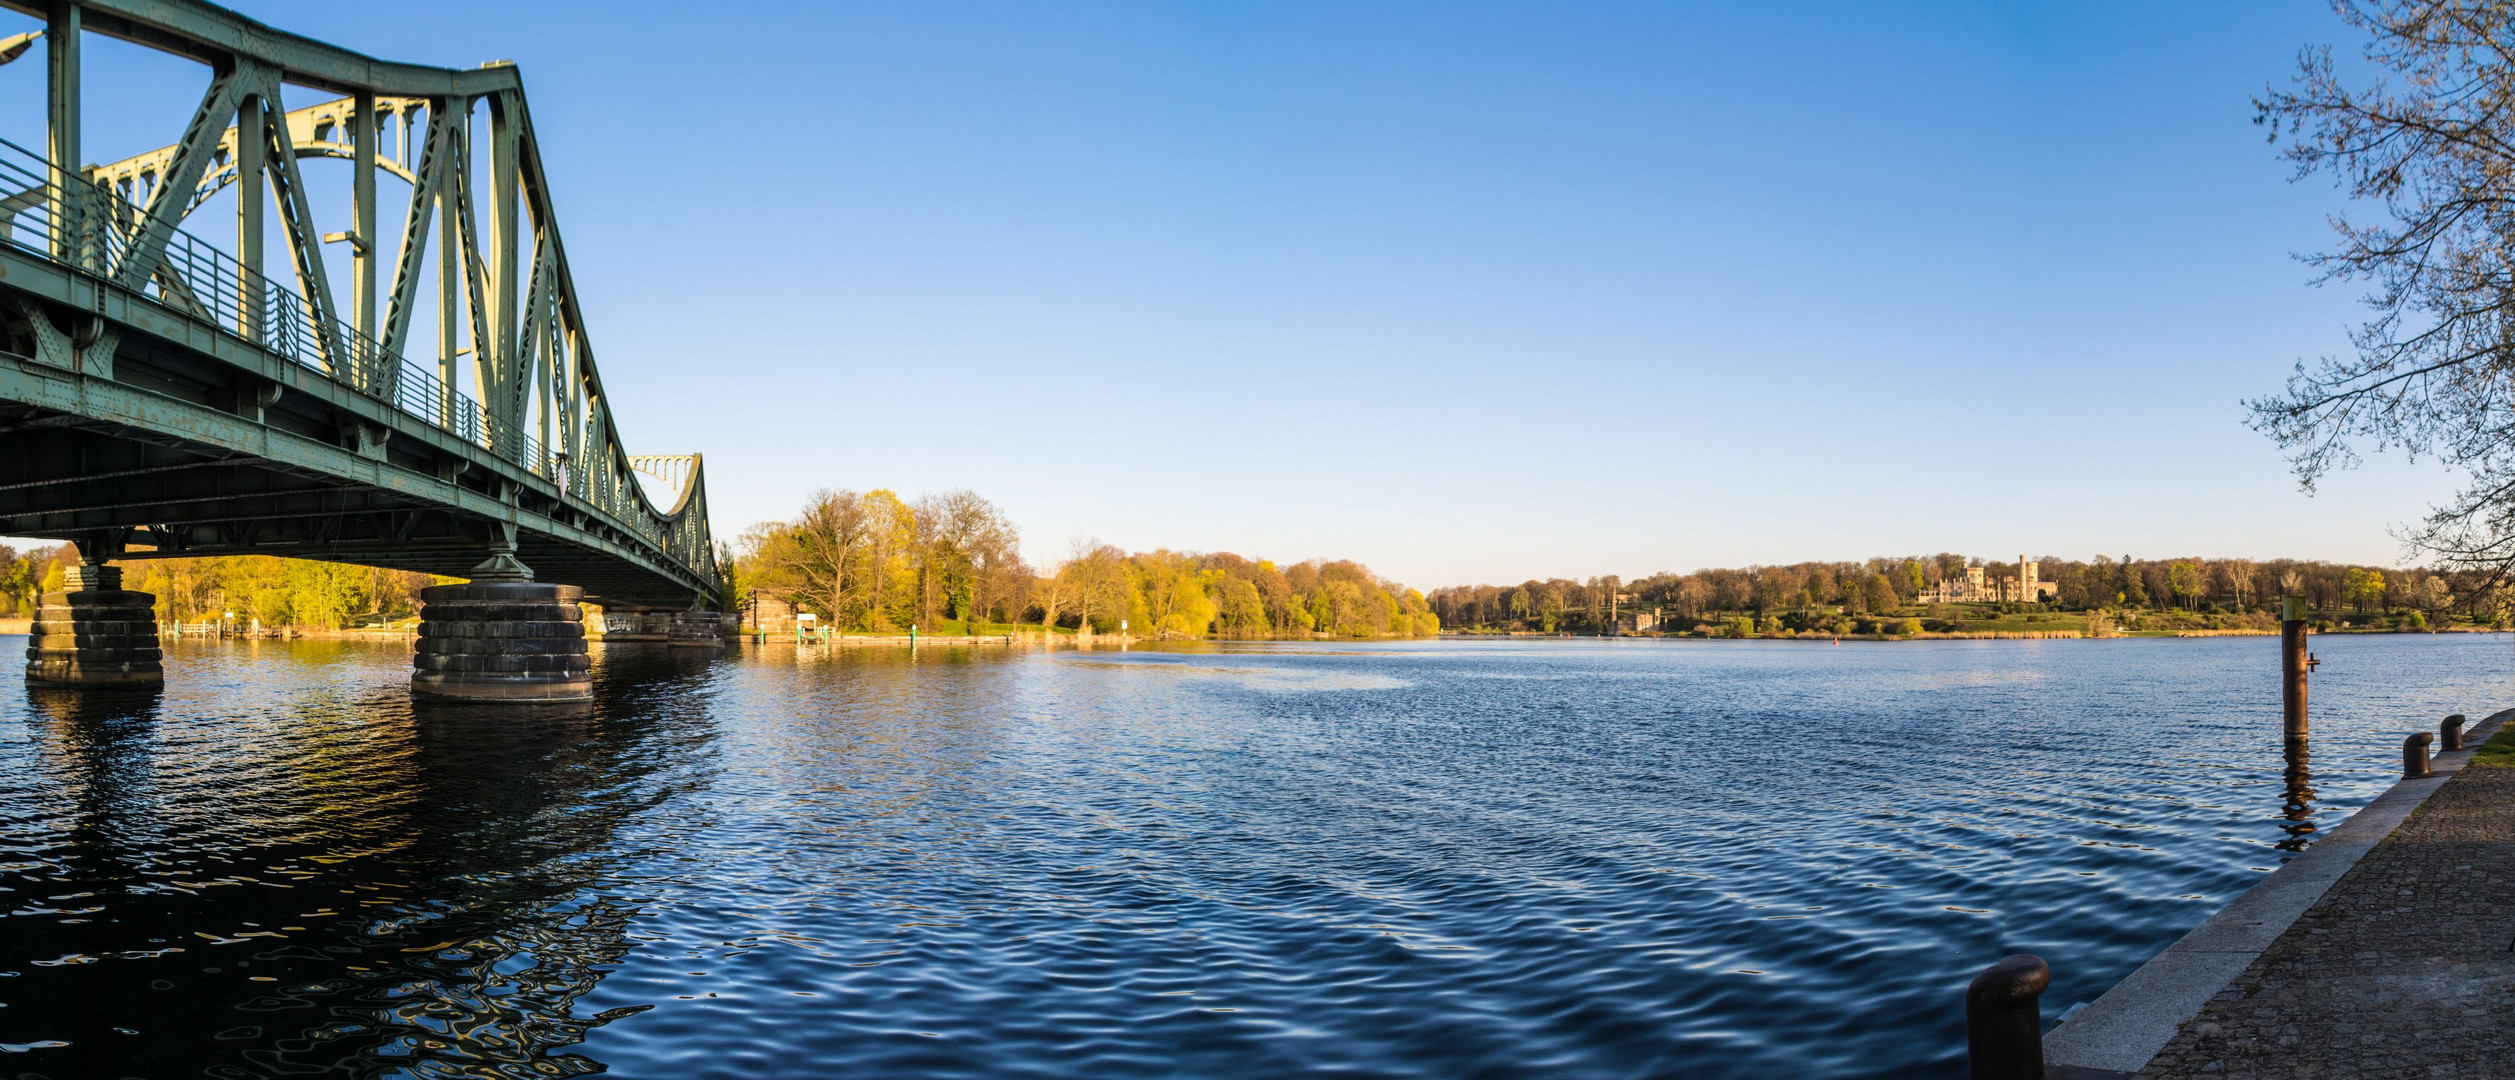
x=164, y=396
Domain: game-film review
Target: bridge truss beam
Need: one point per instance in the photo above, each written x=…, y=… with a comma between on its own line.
x=167, y=392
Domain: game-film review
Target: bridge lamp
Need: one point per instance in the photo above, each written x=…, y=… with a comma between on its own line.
x=14, y=47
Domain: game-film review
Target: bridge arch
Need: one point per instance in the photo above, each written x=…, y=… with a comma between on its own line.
x=315, y=131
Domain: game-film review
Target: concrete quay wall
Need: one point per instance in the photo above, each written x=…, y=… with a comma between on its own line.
x=2120, y=1032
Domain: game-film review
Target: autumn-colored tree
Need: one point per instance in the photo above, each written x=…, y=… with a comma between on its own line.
x=874, y=561
x=1239, y=609
x=1096, y=583
x=17, y=582
x=1170, y=596
x=888, y=571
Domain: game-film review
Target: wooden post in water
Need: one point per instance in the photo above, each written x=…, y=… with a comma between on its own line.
x=2292, y=665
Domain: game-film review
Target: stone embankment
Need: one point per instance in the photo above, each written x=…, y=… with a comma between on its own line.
x=2379, y=952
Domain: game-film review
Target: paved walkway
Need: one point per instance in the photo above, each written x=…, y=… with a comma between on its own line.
x=2403, y=968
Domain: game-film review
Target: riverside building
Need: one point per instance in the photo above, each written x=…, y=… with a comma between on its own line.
x=1977, y=587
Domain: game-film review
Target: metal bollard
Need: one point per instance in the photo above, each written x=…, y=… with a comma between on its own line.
x=2450, y=734
x=2414, y=755
x=2003, y=1024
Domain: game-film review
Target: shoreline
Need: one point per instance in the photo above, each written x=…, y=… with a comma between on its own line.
x=1962, y=635
x=2126, y=1027
x=25, y=626
x=850, y=641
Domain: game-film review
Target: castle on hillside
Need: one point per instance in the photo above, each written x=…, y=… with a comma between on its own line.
x=1977, y=588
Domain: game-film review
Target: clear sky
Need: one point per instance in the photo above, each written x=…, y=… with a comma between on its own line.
x=1466, y=292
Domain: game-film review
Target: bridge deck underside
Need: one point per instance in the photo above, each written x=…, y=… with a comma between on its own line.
x=177, y=439
x=65, y=477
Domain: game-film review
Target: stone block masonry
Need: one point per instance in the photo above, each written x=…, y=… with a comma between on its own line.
x=95, y=634
x=698, y=630
x=512, y=642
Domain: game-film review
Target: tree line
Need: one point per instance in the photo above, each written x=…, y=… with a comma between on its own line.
x=1892, y=586
x=873, y=562
x=866, y=562
x=276, y=591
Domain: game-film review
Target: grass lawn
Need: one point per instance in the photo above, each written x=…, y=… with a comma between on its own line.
x=2499, y=750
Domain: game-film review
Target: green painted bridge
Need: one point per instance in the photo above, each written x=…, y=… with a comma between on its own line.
x=162, y=395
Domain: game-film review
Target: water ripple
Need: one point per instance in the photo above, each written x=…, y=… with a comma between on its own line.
x=1423, y=860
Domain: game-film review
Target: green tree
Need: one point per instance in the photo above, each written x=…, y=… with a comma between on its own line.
x=17, y=582
x=1172, y=595
x=1239, y=610
x=2363, y=587
x=1550, y=610
x=2184, y=578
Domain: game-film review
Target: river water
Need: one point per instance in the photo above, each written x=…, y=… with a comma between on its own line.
x=1436, y=859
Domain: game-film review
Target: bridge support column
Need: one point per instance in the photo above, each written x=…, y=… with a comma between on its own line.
x=697, y=630
x=95, y=634
x=503, y=638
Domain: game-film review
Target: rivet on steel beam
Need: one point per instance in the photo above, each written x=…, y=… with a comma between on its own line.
x=2003, y=1021
x=2414, y=755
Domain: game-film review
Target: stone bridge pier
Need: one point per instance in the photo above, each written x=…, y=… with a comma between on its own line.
x=695, y=627
x=506, y=638
x=502, y=638
x=95, y=633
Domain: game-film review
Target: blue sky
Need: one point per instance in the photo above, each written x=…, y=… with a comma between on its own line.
x=1466, y=292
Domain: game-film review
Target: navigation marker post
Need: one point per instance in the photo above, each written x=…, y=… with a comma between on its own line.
x=2293, y=663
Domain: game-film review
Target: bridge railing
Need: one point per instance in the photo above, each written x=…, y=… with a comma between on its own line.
x=197, y=278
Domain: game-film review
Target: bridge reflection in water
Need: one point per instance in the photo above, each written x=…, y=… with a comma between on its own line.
x=316, y=880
